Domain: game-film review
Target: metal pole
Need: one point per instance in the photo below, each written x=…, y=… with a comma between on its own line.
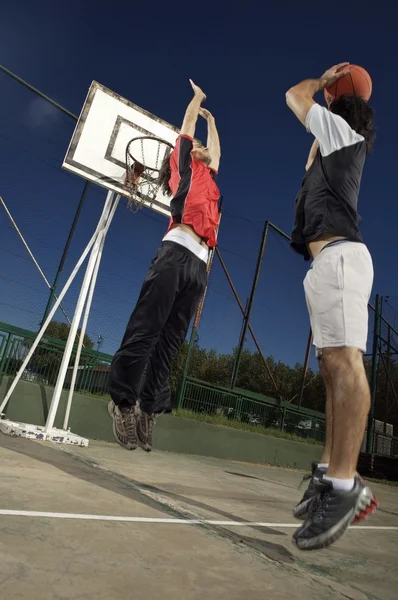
x=250, y=328
x=82, y=198
x=4, y=355
x=36, y=91
x=306, y=361
x=78, y=314
x=52, y=312
x=250, y=304
x=65, y=252
x=87, y=312
x=373, y=381
x=387, y=377
x=241, y=339
x=282, y=233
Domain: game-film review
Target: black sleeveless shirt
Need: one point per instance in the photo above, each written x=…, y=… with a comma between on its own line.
x=328, y=199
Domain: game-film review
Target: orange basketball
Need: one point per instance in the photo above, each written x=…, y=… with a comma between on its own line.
x=357, y=82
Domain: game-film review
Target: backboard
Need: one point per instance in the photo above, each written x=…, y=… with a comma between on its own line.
x=97, y=150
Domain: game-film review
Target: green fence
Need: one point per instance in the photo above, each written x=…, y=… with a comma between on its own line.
x=93, y=372
x=199, y=396
x=247, y=407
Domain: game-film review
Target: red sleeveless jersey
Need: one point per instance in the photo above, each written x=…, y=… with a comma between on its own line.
x=195, y=192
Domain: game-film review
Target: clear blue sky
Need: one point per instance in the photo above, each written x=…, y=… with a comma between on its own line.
x=244, y=60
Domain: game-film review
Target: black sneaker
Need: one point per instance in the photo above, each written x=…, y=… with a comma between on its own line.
x=145, y=425
x=331, y=513
x=301, y=509
x=124, y=425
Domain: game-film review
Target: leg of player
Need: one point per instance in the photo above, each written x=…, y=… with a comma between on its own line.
x=142, y=333
x=319, y=469
x=338, y=289
x=155, y=393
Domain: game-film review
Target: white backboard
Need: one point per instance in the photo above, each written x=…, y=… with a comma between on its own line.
x=107, y=123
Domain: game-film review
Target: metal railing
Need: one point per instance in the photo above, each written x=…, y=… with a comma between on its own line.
x=93, y=373
x=246, y=407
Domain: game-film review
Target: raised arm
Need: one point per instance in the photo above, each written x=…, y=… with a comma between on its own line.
x=213, y=139
x=300, y=98
x=192, y=112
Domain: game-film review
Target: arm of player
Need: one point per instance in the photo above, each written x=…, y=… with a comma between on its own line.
x=300, y=98
x=192, y=112
x=213, y=139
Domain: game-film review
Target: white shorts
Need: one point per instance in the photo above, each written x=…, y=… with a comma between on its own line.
x=337, y=291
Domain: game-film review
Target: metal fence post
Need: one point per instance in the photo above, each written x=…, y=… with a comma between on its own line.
x=305, y=369
x=388, y=362
x=5, y=354
x=65, y=252
x=373, y=380
x=181, y=387
x=249, y=305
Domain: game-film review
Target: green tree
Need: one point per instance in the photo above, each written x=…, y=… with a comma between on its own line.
x=60, y=331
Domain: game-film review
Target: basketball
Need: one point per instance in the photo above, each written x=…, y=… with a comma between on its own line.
x=357, y=82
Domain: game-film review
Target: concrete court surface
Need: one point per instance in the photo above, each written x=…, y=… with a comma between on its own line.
x=54, y=558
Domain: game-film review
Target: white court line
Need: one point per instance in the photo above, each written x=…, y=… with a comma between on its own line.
x=169, y=521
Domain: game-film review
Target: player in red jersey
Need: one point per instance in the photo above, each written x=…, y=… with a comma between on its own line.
x=176, y=280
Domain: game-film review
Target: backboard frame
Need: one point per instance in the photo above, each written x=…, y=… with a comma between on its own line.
x=116, y=183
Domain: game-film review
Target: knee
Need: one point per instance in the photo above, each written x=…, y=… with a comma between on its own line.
x=342, y=361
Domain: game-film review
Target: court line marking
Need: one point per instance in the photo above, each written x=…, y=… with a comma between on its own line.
x=167, y=521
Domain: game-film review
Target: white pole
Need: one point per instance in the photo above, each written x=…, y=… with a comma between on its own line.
x=77, y=317
x=87, y=313
x=51, y=314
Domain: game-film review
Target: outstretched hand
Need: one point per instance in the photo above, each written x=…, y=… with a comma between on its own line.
x=197, y=90
x=206, y=114
x=333, y=74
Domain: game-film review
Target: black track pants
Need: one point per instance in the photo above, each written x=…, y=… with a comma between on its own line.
x=168, y=299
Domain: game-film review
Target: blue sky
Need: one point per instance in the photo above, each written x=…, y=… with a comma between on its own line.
x=244, y=61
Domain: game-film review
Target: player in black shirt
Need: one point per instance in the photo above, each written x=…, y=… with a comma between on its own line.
x=337, y=289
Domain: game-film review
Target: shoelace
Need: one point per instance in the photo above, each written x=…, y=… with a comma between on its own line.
x=319, y=506
x=127, y=421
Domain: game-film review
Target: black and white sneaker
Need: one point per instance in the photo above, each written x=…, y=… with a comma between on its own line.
x=331, y=513
x=301, y=509
x=124, y=425
x=145, y=425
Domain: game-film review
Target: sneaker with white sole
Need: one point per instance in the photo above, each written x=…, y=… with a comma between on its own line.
x=332, y=512
x=124, y=425
x=145, y=425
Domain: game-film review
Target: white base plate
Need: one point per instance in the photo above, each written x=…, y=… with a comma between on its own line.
x=36, y=432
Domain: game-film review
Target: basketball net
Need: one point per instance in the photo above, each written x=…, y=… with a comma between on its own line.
x=144, y=157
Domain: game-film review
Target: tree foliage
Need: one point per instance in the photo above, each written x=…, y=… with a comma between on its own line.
x=216, y=369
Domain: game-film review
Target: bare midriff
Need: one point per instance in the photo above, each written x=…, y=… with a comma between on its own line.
x=191, y=232
x=317, y=245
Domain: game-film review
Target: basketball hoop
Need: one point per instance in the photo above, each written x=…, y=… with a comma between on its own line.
x=144, y=158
